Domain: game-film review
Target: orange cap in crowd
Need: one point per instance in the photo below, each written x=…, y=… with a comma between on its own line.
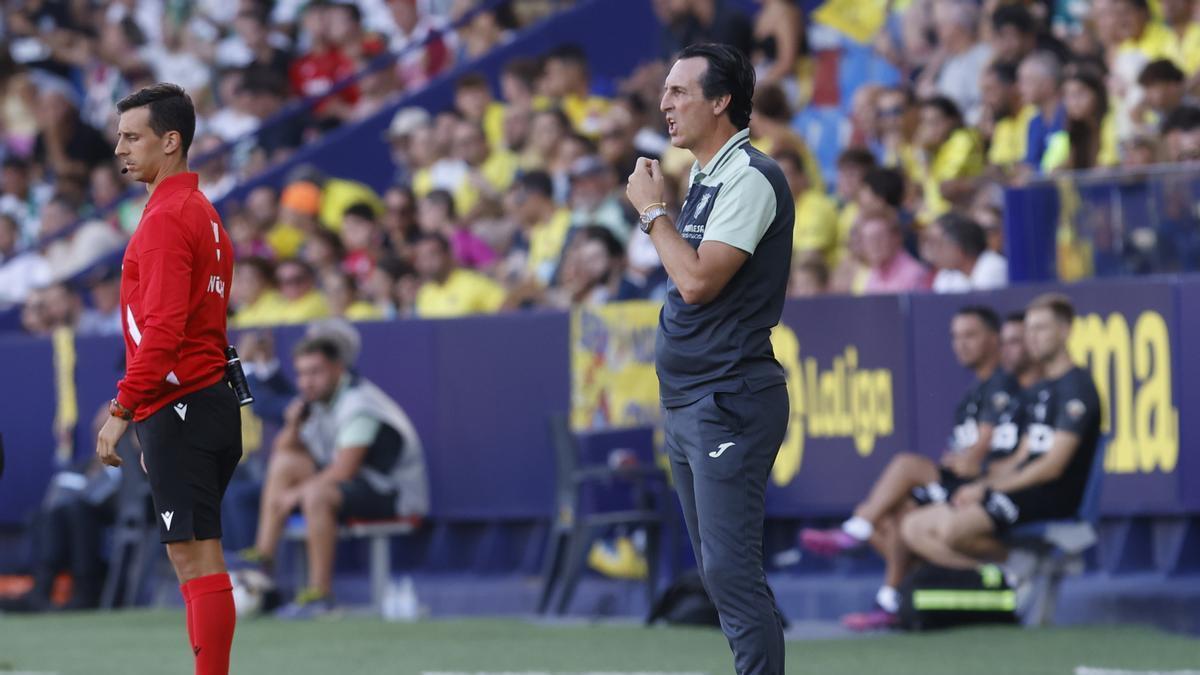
x=301, y=197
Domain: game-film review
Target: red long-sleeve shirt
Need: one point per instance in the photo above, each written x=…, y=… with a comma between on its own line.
x=175, y=282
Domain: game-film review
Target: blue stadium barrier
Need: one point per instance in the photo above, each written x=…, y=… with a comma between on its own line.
x=1108, y=223
x=481, y=389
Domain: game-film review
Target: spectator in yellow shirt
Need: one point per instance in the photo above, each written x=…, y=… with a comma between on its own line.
x=815, y=235
x=337, y=194
x=566, y=80
x=301, y=301
x=547, y=132
x=448, y=291
x=951, y=156
x=1178, y=39
x=1184, y=43
x=298, y=208
x=1090, y=137
x=539, y=243
x=253, y=296
x=518, y=84
x=852, y=167
x=341, y=291
x=1004, y=122
x=489, y=172
x=474, y=101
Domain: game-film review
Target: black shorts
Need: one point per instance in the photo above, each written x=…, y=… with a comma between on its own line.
x=1035, y=504
x=941, y=491
x=191, y=447
x=360, y=501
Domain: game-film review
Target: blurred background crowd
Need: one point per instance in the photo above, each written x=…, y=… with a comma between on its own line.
x=513, y=198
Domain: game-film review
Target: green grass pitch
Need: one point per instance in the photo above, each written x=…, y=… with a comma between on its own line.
x=153, y=643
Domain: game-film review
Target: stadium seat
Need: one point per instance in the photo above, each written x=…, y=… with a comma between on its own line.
x=580, y=520
x=378, y=533
x=135, y=547
x=1043, y=553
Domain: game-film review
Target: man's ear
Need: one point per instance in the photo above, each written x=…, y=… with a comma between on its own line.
x=721, y=104
x=172, y=142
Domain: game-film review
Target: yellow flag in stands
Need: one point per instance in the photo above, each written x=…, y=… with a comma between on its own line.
x=860, y=20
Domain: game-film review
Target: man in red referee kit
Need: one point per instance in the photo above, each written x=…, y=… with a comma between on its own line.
x=175, y=282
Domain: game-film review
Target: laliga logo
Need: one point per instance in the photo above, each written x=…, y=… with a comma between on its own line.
x=842, y=402
x=1132, y=370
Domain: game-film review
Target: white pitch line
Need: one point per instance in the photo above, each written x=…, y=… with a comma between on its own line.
x=1089, y=670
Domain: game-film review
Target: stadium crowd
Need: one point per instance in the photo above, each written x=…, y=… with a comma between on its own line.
x=514, y=198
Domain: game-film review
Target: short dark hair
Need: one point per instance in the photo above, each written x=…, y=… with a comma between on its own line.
x=1015, y=317
x=15, y=163
x=571, y=53
x=524, y=69
x=536, y=181
x=307, y=269
x=887, y=184
x=964, y=233
x=818, y=269
x=945, y=106
x=444, y=199
x=360, y=210
x=602, y=234
x=1140, y=5
x=1016, y=16
x=771, y=102
x=856, y=157
x=985, y=314
x=1005, y=72
x=331, y=239
x=1058, y=303
x=1183, y=118
x=559, y=115
x=264, y=267
x=351, y=7
x=319, y=344
x=788, y=155
x=395, y=268
x=263, y=80
x=1162, y=71
x=170, y=108
x=729, y=72
x=473, y=80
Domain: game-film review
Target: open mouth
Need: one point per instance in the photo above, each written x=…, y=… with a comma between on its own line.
x=671, y=126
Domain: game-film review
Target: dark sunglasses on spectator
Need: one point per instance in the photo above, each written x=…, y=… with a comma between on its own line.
x=891, y=112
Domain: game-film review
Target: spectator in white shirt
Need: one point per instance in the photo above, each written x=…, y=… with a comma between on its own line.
x=958, y=249
x=20, y=273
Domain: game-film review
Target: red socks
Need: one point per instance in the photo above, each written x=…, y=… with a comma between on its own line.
x=210, y=622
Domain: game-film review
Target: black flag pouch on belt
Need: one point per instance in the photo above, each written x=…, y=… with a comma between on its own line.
x=237, y=377
x=937, y=597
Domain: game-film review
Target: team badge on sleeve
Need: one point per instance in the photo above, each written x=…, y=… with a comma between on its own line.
x=1076, y=408
x=1000, y=401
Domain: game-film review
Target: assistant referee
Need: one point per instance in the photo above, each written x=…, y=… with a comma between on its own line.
x=175, y=281
x=725, y=395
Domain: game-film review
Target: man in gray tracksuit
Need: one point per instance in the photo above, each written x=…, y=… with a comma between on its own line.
x=728, y=258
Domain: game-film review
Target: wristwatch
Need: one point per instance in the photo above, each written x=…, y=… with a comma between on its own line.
x=649, y=216
x=117, y=410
